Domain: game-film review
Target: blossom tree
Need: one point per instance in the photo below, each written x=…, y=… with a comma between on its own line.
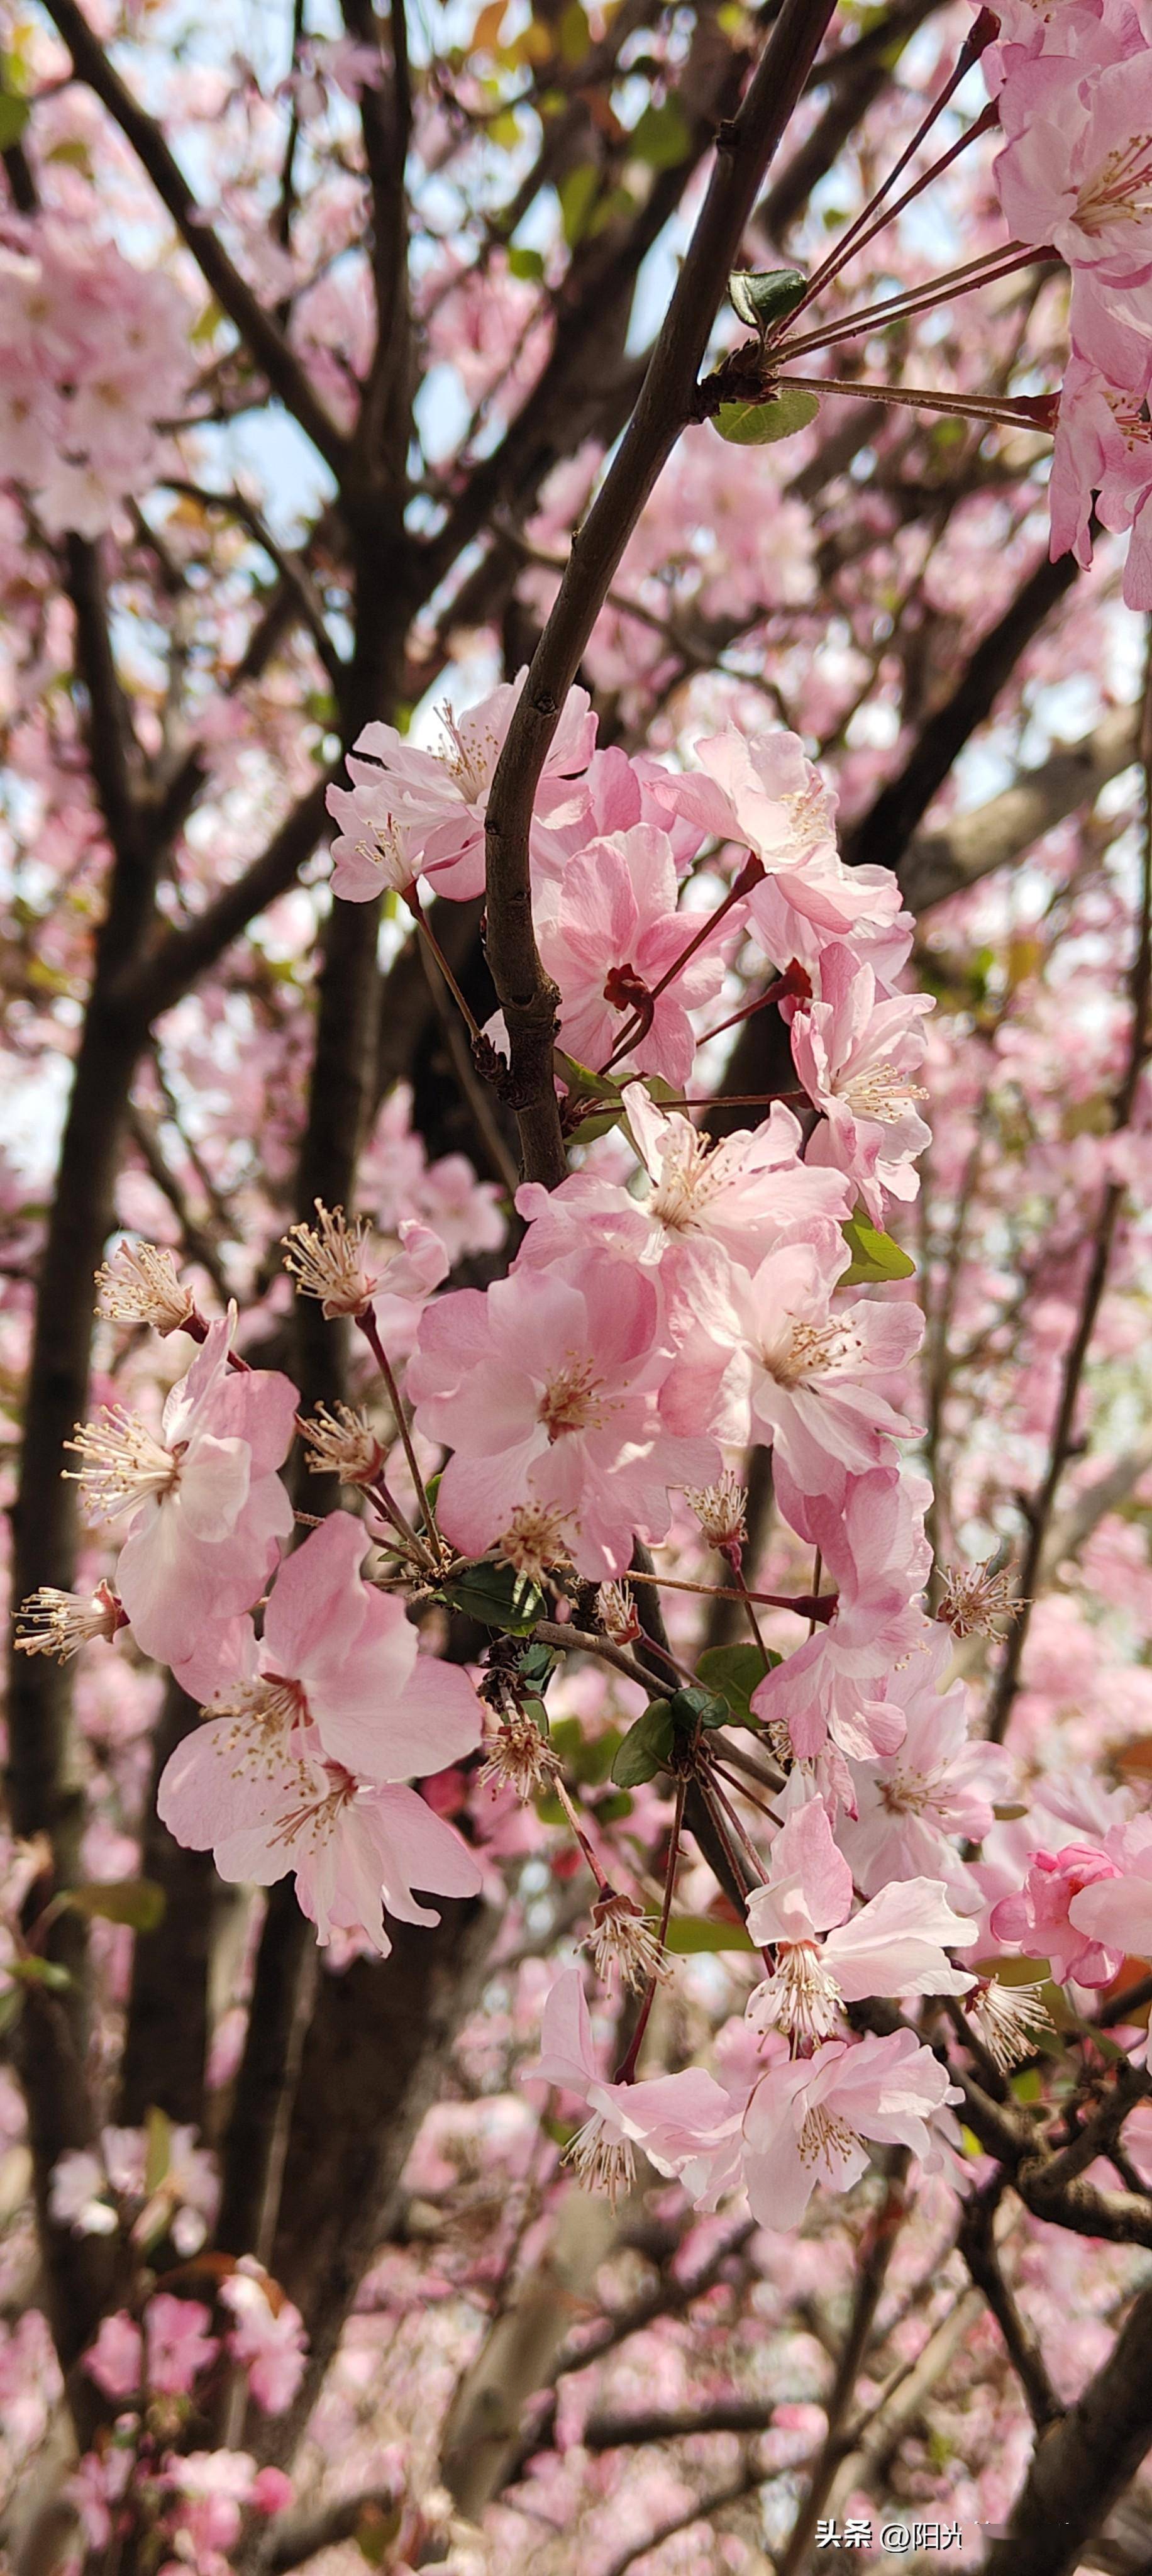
x=576, y=862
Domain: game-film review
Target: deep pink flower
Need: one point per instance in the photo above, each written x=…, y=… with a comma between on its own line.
x=1039, y=1918
x=615, y=933
x=178, y=2345
x=115, y=2360
x=548, y=1387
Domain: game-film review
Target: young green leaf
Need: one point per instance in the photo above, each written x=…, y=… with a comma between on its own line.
x=135, y=1901
x=749, y=424
x=874, y=1255
x=497, y=1596
x=692, y=1707
x=735, y=1671
x=645, y=1749
x=762, y=296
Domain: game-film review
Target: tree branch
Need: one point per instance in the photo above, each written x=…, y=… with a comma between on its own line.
x=744, y=149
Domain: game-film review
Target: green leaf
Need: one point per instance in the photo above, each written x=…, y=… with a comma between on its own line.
x=735, y=1671
x=572, y=34
x=14, y=115
x=688, y=1934
x=158, y=2153
x=646, y=1748
x=762, y=296
x=874, y=1255
x=692, y=1707
x=577, y=194
x=35, y=1971
x=662, y=136
x=582, y=1080
x=612, y=1810
x=526, y=263
x=747, y=424
x=588, y=1758
x=497, y=1596
x=136, y=1901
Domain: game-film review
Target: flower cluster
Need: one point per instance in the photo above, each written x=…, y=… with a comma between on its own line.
x=94, y=354
x=1074, y=91
x=674, y=1303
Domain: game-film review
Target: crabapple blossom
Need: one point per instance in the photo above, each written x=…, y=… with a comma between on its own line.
x=209, y=1511
x=855, y=1053
x=268, y=2337
x=1039, y=1919
x=826, y=1956
x=322, y=1719
x=613, y=940
x=833, y=1685
x=808, y=1375
x=808, y=2119
x=667, y=2115
x=942, y=1784
x=412, y=812
x=549, y=1388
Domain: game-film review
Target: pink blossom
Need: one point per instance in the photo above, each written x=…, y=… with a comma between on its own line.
x=179, y=2346
x=808, y=2119
x=855, y=1054
x=268, y=2339
x=1078, y=174
x=208, y=1508
x=766, y=796
x=412, y=811
x=826, y=1956
x=1040, y=1915
x=1118, y=1911
x=941, y=1784
x=115, y=2359
x=685, y=2122
x=808, y=1378
x=296, y=1769
x=741, y=1192
x=875, y=1559
x=209, y=2490
x=614, y=935
x=548, y=1387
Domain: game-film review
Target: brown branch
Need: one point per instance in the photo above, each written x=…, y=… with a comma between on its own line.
x=882, y=835
x=941, y=861
x=745, y=147
x=977, y=2244
x=165, y=2048
x=1083, y=2464
x=257, y=329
